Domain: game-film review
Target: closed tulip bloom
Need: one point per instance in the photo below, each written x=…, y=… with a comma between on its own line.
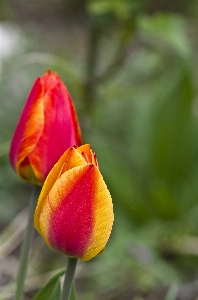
x=74, y=213
x=47, y=127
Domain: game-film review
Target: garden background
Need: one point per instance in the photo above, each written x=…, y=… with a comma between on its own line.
x=132, y=70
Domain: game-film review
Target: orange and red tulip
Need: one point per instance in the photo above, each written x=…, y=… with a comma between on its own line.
x=74, y=213
x=47, y=127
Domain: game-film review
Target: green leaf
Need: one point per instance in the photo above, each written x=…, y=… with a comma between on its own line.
x=173, y=129
x=73, y=293
x=52, y=289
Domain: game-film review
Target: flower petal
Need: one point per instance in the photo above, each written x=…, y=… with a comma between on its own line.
x=28, y=131
x=59, y=131
x=87, y=153
x=18, y=135
x=70, y=159
x=103, y=216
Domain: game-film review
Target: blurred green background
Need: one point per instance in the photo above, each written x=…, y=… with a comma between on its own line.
x=131, y=68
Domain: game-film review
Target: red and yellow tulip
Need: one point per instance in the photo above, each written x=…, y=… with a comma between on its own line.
x=47, y=127
x=74, y=213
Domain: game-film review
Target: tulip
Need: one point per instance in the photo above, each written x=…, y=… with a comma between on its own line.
x=74, y=212
x=47, y=127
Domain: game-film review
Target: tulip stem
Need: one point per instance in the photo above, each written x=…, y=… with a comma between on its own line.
x=69, y=277
x=25, y=248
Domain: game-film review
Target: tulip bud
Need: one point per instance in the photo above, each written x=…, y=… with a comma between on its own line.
x=74, y=213
x=47, y=127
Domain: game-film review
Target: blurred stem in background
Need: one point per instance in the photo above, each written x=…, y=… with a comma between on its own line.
x=23, y=264
x=90, y=84
x=125, y=38
x=99, y=25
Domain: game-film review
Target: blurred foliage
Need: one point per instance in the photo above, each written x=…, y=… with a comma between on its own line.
x=131, y=68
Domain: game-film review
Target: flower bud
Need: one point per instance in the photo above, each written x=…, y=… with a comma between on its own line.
x=74, y=213
x=47, y=127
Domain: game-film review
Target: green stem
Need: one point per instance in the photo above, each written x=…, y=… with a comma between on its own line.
x=25, y=249
x=69, y=277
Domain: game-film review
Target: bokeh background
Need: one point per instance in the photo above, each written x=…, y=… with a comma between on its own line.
x=131, y=67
